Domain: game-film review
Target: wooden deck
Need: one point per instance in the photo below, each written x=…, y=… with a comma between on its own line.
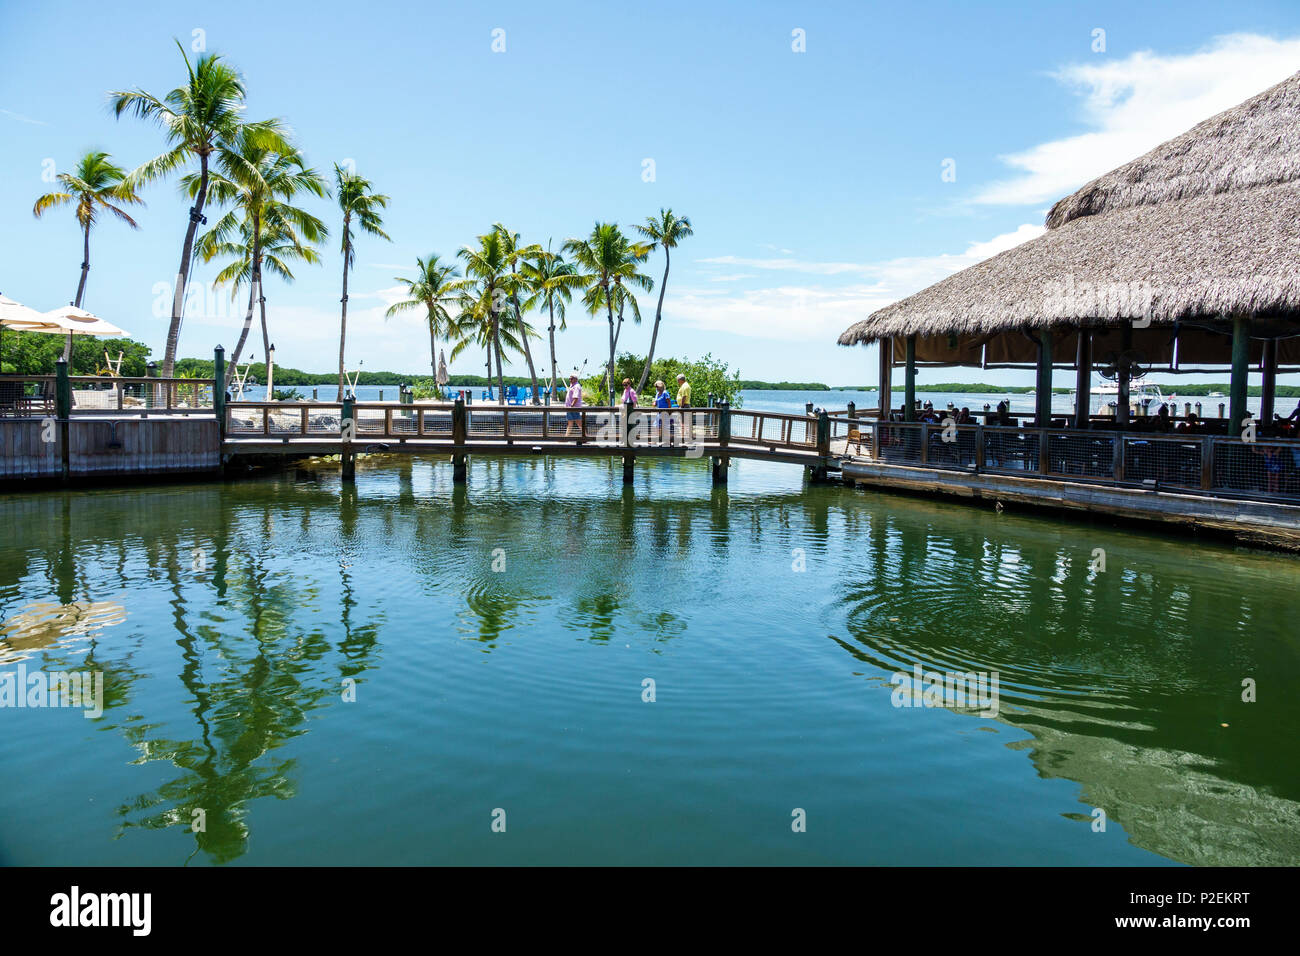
x=1249, y=490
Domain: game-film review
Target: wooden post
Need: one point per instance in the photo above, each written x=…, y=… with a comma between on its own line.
x=628, y=474
x=1269, y=390
x=1121, y=412
x=909, y=383
x=62, y=390
x=722, y=462
x=1043, y=387
x=459, y=427
x=1083, y=380
x=823, y=445
x=347, y=426
x=63, y=409
x=1240, y=373
x=626, y=436
x=886, y=370
x=219, y=389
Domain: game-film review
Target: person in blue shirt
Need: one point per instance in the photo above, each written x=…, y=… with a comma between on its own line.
x=662, y=400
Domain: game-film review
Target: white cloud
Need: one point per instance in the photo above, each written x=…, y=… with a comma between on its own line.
x=793, y=265
x=23, y=119
x=1136, y=103
x=809, y=313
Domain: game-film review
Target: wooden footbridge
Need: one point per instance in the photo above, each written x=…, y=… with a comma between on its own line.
x=458, y=430
x=65, y=427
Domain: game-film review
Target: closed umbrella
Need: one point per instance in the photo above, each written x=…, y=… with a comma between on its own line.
x=441, y=376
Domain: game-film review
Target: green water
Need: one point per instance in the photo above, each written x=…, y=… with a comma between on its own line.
x=499, y=638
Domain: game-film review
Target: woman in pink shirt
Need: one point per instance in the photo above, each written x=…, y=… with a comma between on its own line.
x=572, y=399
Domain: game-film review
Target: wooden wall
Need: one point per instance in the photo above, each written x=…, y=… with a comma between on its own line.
x=153, y=446
x=22, y=452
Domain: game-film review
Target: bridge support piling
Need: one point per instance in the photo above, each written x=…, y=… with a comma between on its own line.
x=459, y=432
x=720, y=466
x=628, y=462
x=349, y=465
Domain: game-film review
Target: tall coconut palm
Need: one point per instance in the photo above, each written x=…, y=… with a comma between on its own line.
x=362, y=205
x=97, y=184
x=521, y=256
x=197, y=118
x=488, y=294
x=664, y=231
x=260, y=186
x=608, y=264
x=433, y=289
x=551, y=282
x=274, y=250
x=476, y=326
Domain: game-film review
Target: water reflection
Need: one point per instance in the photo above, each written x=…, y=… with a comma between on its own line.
x=216, y=671
x=1128, y=681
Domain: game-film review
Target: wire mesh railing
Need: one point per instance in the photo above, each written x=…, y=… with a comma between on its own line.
x=35, y=396
x=1199, y=464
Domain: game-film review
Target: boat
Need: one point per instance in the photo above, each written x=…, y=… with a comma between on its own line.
x=1144, y=397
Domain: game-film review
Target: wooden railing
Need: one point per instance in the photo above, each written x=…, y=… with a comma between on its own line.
x=36, y=396
x=1184, y=462
x=718, y=427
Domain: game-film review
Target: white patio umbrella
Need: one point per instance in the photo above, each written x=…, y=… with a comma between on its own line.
x=442, y=368
x=20, y=318
x=15, y=315
x=75, y=321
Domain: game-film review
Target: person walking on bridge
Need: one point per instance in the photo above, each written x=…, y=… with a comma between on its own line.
x=573, y=401
x=684, y=402
x=662, y=400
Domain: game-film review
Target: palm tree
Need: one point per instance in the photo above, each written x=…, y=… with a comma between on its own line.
x=551, y=281
x=359, y=201
x=97, y=184
x=274, y=249
x=197, y=118
x=664, y=231
x=260, y=185
x=490, y=285
x=435, y=287
x=608, y=262
x=521, y=255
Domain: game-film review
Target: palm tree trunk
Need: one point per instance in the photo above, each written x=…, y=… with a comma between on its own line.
x=343, y=322
x=496, y=343
x=81, y=285
x=550, y=388
x=243, y=336
x=183, y=273
x=528, y=353
x=609, y=371
x=254, y=293
x=654, y=334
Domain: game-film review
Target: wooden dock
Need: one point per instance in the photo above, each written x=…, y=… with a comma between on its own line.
x=1248, y=490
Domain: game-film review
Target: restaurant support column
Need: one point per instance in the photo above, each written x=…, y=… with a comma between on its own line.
x=1083, y=379
x=886, y=363
x=1268, y=392
x=1126, y=343
x=1240, y=372
x=909, y=382
x=1043, y=386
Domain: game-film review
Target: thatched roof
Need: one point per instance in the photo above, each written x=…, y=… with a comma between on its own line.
x=1256, y=143
x=1206, y=225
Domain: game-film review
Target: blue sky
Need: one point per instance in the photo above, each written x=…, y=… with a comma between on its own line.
x=814, y=179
